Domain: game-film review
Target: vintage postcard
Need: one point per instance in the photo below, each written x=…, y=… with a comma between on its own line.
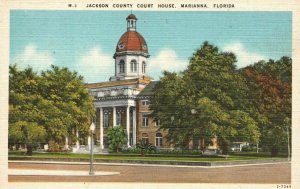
x=139, y=94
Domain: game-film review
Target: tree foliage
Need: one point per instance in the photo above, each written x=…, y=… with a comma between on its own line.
x=271, y=91
x=252, y=104
x=24, y=114
x=117, y=138
x=280, y=69
x=54, y=102
x=212, y=86
x=71, y=105
x=29, y=133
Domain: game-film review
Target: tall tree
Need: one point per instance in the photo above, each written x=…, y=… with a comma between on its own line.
x=271, y=91
x=71, y=106
x=24, y=114
x=211, y=86
x=54, y=102
x=168, y=102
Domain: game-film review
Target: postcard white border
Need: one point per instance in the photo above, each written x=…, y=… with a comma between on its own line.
x=240, y=5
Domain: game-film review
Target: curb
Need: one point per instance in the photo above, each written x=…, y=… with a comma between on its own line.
x=146, y=162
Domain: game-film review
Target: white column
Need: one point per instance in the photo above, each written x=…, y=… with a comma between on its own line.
x=134, y=126
x=127, y=126
x=114, y=116
x=101, y=128
x=77, y=141
x=66, y=143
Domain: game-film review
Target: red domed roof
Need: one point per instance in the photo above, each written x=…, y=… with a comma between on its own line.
x=131, y=16
x=132, y=41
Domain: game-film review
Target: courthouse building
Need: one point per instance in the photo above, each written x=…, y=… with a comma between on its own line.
x=121, y=101
x=124, y=99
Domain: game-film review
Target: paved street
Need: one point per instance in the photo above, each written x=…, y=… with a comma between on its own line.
x=266, y=173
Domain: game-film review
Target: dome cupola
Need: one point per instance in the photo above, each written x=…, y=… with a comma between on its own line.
x=131, y=53
x=131, y=22
x=131, y=40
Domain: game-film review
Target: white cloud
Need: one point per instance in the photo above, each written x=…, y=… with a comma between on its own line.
x=244, y=56
x=95, y=66
x=165, y=60
x=31, y=56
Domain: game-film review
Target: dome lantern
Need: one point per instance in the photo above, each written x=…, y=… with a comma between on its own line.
x=131, y=22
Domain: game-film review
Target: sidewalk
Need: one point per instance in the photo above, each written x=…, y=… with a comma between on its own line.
x=36, y=172
x=154, y=164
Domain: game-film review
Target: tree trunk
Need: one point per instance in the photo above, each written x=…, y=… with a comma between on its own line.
x=274, y=151
x=202, y=144
x=224, y=146
x=29, y=150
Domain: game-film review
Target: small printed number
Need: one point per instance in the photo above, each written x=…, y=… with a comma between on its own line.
x=284, y=186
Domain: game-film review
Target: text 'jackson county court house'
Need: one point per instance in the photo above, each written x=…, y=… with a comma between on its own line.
x=124, y=99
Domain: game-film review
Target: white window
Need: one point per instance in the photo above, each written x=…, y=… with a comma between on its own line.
x=122, y=66
x=105, y=120
x=158, y=140
x=145, y=102
x=144, y=67
x=133, y=66
x=145, y=120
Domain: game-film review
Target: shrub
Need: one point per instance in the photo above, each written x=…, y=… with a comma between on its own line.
x=54, y=147
x=145, y=147
x=117, y=138
x=249, y=149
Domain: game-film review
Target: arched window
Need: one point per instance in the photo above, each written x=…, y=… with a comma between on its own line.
x=133, y=66
x=144, y=67
x=122, y=66
x=158, y=139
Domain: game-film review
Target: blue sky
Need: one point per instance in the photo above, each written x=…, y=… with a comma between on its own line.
x=85, y=41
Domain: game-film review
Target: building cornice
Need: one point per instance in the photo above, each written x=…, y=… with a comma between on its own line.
x=107, y=98
x=146, y=55
x=146, y=80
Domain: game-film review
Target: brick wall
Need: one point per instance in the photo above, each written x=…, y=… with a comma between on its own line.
x=151, y=130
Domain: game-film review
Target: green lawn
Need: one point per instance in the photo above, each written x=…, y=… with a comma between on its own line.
x=151, y=157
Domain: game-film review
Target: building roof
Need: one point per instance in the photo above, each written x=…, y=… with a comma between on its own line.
x=145, y=80
x=132, y=41
x=131, y=16
x=149, y=89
